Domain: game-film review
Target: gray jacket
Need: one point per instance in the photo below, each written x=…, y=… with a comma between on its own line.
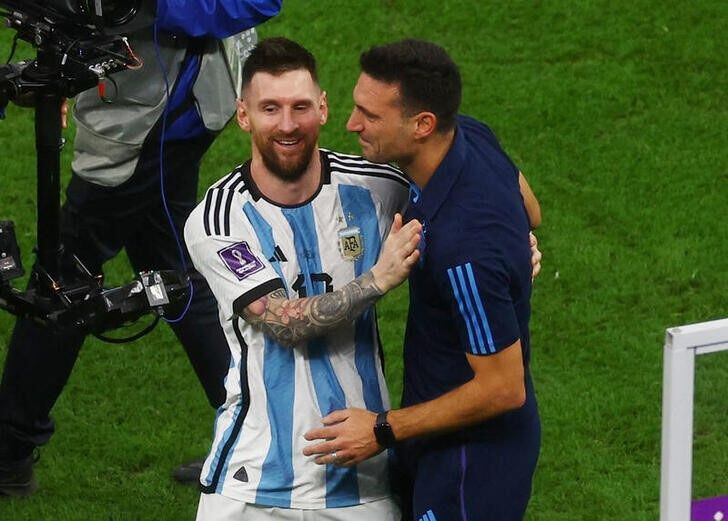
x=110, y=134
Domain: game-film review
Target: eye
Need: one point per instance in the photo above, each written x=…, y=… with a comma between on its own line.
x=371, y=118
x=270, y=109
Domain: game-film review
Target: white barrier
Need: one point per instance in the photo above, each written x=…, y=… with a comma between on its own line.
x=682, y=345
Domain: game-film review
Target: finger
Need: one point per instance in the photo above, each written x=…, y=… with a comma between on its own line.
x=326, y=459
x=332, y=458
x=536, y=270
x=344, y=459
x=396, y=223
x=335, y=417
x=319, y=448
x=324, y=433
x=413, y=226
x=321, y=460
x=412, y=259
x=414, y=243
x=532, y=239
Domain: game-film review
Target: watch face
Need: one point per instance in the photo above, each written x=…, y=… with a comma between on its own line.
x=384, y=435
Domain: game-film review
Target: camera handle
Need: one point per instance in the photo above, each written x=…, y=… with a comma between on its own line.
x=48, y=144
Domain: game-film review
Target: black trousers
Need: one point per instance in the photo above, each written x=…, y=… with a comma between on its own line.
x=96, y=224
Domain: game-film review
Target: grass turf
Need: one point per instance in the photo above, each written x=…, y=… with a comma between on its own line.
x=616, y=113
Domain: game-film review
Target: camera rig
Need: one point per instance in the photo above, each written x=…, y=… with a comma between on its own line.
x=75, y=51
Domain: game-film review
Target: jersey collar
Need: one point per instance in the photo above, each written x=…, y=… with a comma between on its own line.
x=256, y=194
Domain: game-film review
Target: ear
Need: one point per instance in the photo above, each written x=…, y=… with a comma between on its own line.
x=242, y=115
x=324, y=107
x=425, y=124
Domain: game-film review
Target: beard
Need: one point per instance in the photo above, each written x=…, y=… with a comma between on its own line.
x=288, y=168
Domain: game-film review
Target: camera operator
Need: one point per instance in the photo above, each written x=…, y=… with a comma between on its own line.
x=114, y=201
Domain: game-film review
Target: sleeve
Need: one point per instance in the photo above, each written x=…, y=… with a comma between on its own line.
x=394, y=200
x=217, y=18
x=481, y=304
x=233, y=264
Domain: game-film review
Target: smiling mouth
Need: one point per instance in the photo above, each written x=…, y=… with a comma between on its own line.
x=288, y=143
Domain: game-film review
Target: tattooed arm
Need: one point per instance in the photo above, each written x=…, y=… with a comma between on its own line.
x=290, y=321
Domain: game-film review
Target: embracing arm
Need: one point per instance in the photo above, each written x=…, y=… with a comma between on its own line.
x=291, y=321
x=497, y=387
x=533, y=209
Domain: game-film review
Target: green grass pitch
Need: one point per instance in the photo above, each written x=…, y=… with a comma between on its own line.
x=617, y=114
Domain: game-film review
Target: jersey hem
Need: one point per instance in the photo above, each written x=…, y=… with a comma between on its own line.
x=269, y=502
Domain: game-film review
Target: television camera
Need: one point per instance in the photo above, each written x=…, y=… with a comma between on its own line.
x=78, y=44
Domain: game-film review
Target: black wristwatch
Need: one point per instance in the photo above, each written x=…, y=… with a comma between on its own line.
x=383, y=431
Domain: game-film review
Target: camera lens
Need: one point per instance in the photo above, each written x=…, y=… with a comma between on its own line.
x=119, y=12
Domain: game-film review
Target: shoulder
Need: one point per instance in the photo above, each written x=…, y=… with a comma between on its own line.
x=211, y=216
x=475, y=129
x=235, y=180
x=352, y=167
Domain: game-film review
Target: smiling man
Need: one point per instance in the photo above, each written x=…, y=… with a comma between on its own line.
x=289, y=243
x=468, y=432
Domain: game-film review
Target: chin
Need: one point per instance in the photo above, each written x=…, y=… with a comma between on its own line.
x=375, y=158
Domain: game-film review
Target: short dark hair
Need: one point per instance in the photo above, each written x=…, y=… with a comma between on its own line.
x=428, y=78
x=276, y=56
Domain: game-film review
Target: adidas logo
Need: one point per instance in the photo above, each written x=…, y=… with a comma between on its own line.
x=241, y=475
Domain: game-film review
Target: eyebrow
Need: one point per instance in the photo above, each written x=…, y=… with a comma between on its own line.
x=273, y=101
x=366, y=112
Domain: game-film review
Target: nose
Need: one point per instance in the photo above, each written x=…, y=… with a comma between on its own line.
x=288, y=123
x=354, y=123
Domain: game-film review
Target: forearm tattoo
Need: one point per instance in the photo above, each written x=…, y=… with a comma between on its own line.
x=291, y=321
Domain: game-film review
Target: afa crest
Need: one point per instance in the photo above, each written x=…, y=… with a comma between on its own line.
x=351, y=243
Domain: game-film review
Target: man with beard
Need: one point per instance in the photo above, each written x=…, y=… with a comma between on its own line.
x=289, y=243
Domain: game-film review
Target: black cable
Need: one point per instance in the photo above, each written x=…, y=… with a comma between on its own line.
x=132, y=338
x=13, y=48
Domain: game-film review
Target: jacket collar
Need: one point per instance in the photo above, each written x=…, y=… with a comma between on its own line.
x=431, y=198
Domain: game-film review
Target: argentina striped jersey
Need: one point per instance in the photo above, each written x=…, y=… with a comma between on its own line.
x=247, y=246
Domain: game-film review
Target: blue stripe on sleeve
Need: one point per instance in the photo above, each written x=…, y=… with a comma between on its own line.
x=461, y=307
x=479, y=305
x=468, y=297
x=279, y=373
x=342, y=487
x=359, y=209
x=431, y=515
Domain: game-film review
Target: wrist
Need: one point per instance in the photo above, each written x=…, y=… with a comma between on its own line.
x=378, y=279
x=383, y=431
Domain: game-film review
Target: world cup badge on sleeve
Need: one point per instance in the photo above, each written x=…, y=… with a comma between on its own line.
x=239, y=259
x=351, y=243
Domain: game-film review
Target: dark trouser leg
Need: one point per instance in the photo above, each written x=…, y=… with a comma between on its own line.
x=152, y=246
x=39, y=359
